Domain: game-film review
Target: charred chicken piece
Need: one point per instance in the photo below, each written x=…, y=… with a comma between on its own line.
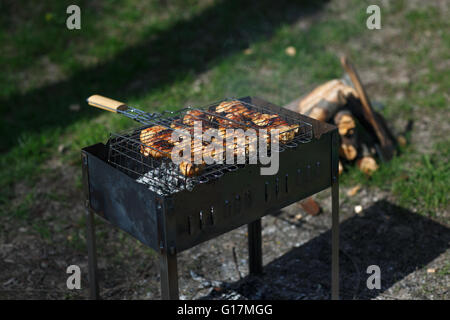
x=190, y=169
x=148, y=133
x=157, y=149
x=230, y=120
x=230, y=106
x=262, y=119
x=196, y=115
x=285, y=133
x=156, y=141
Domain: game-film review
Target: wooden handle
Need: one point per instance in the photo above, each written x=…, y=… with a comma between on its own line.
x=106, y=103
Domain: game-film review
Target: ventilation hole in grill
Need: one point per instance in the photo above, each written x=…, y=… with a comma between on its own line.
x=248, y=198
x=227, y=207
x=211, y=215
x=233, y=168
x=238, y=203
x=266, y=191
x=277, y=187
x=286, y=184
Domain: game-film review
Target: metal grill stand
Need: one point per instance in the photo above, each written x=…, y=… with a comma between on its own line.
x=163, y=224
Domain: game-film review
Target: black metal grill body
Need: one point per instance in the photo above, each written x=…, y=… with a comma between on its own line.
x=171, y=224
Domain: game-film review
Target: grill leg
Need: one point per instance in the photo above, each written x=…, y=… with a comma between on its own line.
x=169, y=276
x=335, y=240
x=92, y=256
x=255, y=247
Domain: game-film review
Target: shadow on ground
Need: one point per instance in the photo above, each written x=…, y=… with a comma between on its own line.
x=395, y=239
x=187, y=48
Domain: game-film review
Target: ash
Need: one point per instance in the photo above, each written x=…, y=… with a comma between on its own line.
x=164, y=180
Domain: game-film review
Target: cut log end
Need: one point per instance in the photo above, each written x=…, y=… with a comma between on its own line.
x=367, y=165
x=345, y=122
x=348, y=151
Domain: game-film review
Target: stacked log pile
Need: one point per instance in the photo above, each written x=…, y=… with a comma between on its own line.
x=364, y=136
x=365, y=139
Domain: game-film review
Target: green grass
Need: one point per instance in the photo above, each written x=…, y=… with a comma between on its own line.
x=166, y=54
x=22, y=209
x=445, y=270
x=420, y=182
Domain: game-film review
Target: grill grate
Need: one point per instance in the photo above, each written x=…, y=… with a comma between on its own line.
x=161, y=174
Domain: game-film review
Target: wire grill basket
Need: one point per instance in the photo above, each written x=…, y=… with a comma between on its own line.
x=161, y=174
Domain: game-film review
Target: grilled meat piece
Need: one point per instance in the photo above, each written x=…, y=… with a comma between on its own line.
x=156, y=141
x=190, y=169
x=230, y=106
x=148, y=133
x=196, y=115
x=157, y=149
x=261, y=119
x=230, y=120
x=237, y=112
x=273, y=122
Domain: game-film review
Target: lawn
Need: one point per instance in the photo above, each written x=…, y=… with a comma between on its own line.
x=159, y=55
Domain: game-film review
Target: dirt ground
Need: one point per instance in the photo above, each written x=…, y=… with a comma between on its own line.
x=296, y=255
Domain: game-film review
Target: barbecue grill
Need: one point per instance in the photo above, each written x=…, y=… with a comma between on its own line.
x=152, y=201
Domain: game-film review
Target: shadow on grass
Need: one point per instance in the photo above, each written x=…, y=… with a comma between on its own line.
x=189, y=47
x=395, y=239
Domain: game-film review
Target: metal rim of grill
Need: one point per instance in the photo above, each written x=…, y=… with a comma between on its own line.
x=162, y=175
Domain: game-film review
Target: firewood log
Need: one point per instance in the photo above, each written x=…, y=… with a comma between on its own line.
x=341, y=168
x=348, y=151
x=323, y=102
x=349, y=136
x=367, y=163
x=345, y=122
x=319, y=93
